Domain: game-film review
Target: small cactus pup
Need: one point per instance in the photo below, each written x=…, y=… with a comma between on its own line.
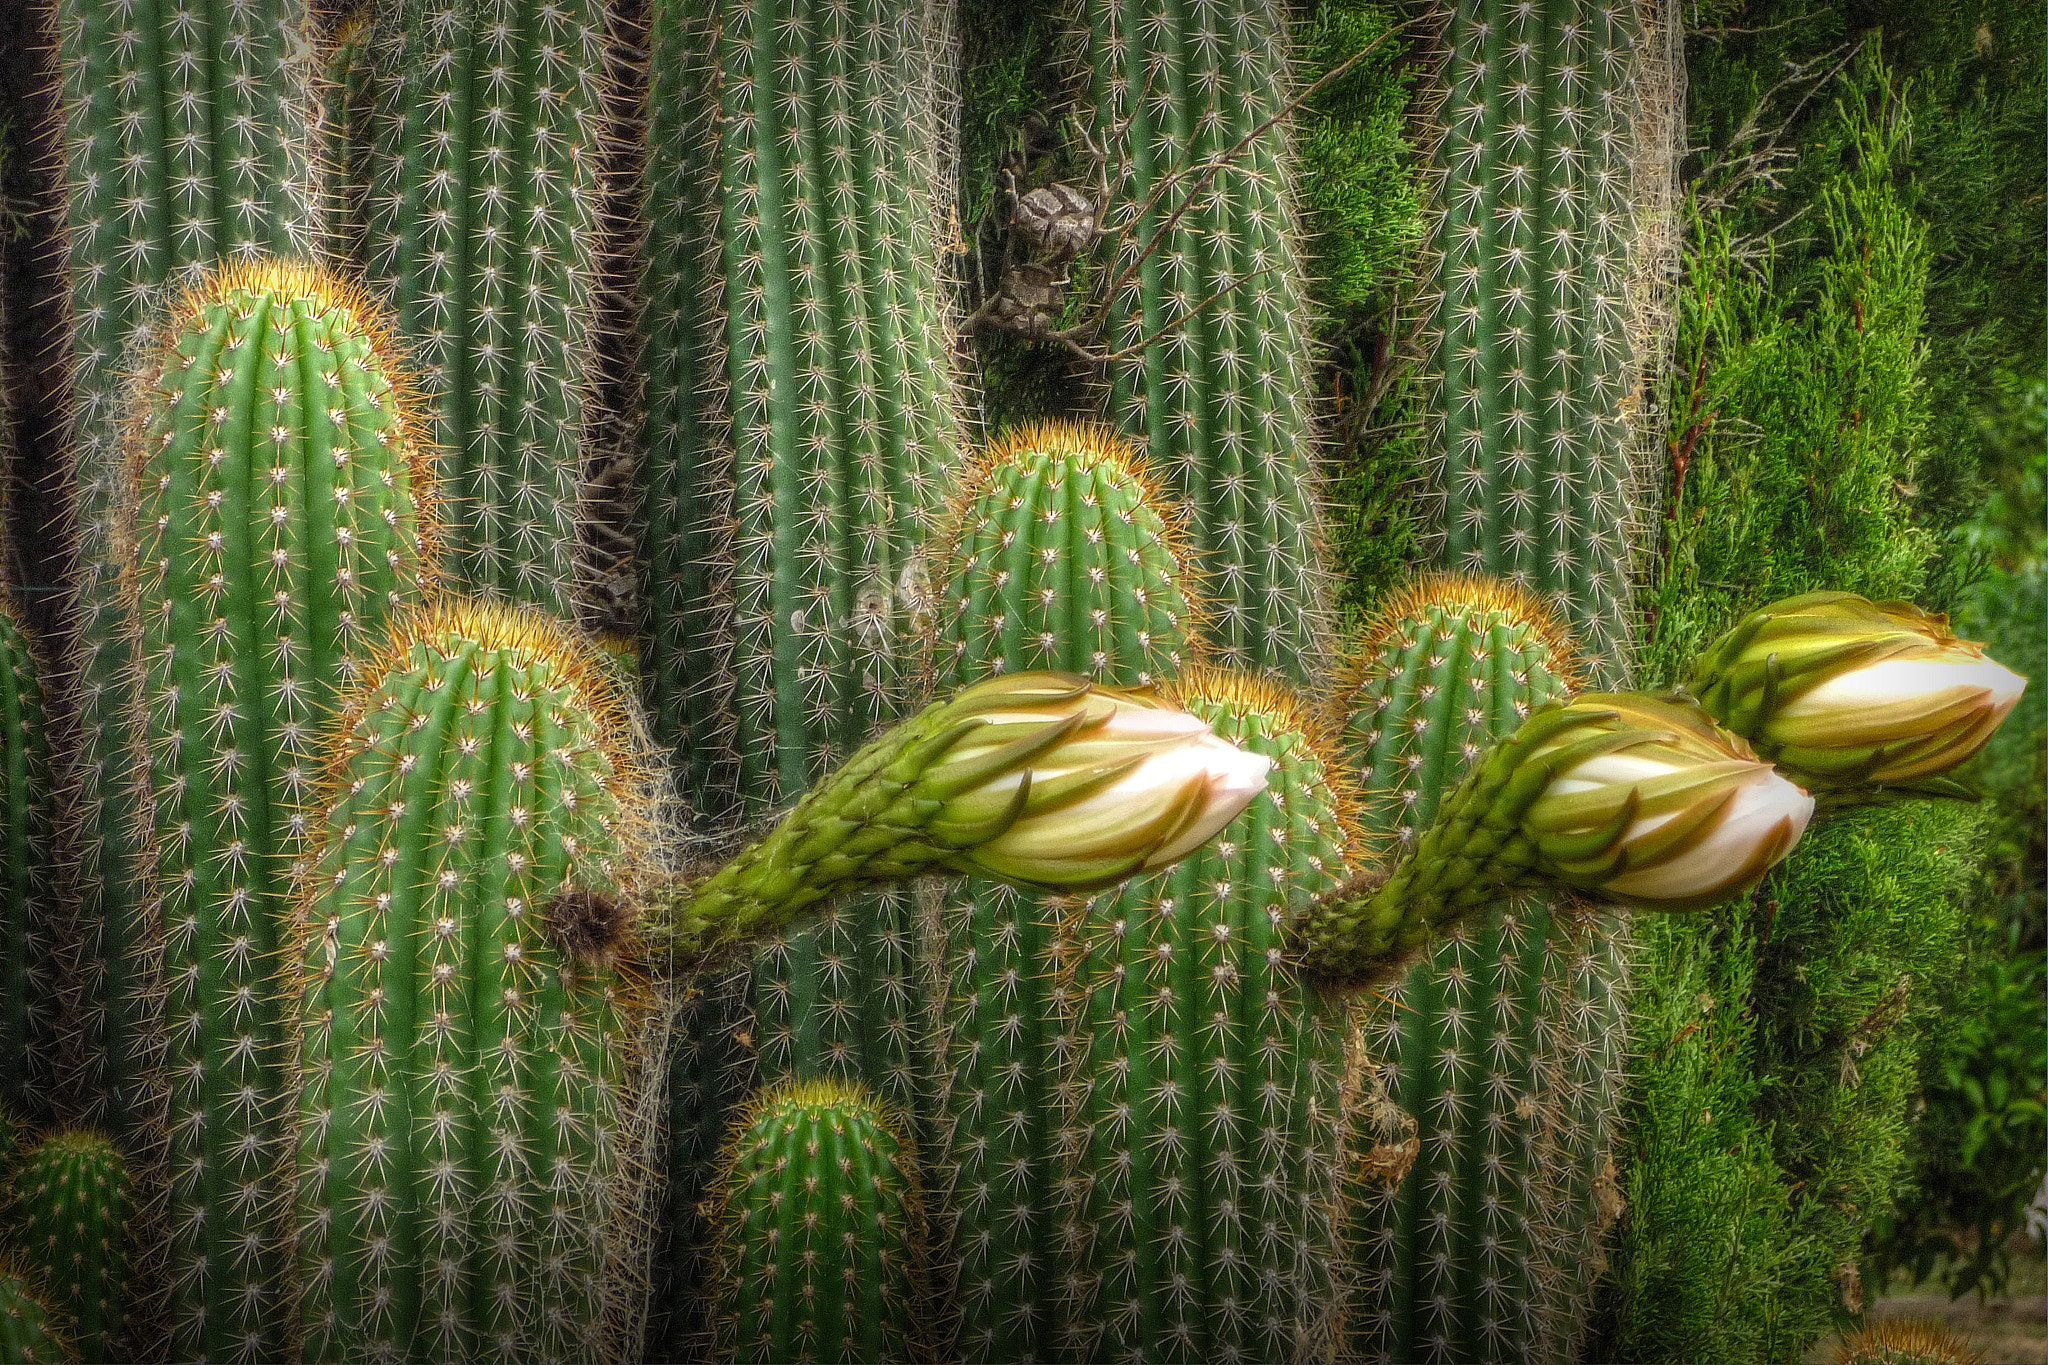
x=819, y=1232
x=1859, y=701
x=187, y=140
x=1642, y=800
x=1905, y=1342
x=801, y=407
x=481, y=222
x=1533, y=355
x=31, y=1331
x=1060, y=552
x=1200, y=1119
x=279, y=497
x=30, y=1022
x=71, y=1202
x=466, y=997
x=1206, y=316
x=1500, y=1048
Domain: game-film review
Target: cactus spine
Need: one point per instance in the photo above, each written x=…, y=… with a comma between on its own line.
x=277, y=490
x=30, y=1333
x=71, y=1205
x=1201, y=1150
x=1060, y=554
x=795, y=166
x=818, y=1231
x=1502, y=1043
x=30, y=1023
x=482, y=224
x=1533, y=353
x=185, y=141
x=466, y=1005
x=1218, y=385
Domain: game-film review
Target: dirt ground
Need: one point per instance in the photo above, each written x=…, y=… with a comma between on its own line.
x=2009, y=1330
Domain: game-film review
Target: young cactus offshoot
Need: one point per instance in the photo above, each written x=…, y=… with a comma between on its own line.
x=466, y=1000
x=819, y=1231
x=71, y=1202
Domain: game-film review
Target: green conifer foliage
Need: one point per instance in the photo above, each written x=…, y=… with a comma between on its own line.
x=278, y=493
x=801, y=409
x=819, y=1231
x=1198, y=1125
x=465, y=1005
x=71, y=1204
x=482, y=226
x=1502, y=1046
x=1208, y=299
x=31, y=1018
x=1533, y=239
x=1060, y=554
x=186, y=140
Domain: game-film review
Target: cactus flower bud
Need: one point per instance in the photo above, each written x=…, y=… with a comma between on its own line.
x=1131, y=784
x=1040, y=778
x=1665, y=809
x=1643, y=800
x=1858, y=700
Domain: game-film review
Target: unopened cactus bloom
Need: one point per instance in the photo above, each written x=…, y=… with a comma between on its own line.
x=1040, y=778
x=1642, y=800
x=1856, y=699
x=1131, y=784
x=1668, y=811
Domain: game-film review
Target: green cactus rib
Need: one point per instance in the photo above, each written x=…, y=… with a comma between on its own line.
x=482, y=226
x=278, y=498
x=31, y=1020
x=466, y=1008
x=1502, y=1044
x=1533, y=354
x=1186, y=97
x=1200, y=1122
x=71, y=1202
x=186, y=141
x=818, y=1227
x=801, y=407
x=1059, y=554
x=30, y=1332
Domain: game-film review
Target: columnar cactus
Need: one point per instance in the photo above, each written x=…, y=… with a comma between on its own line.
x=818, y=1227
x=1199, y=1122
x=465, y=1005
x=1058, y=553
x=1207, y=320
x=481, y=222
x=185, y=141
x=1533, y=239
x=1503, y=1043
x=801, y=409
x=71, y=1201
x=30, y=1019
x=277, y=495
x=30, y=1332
